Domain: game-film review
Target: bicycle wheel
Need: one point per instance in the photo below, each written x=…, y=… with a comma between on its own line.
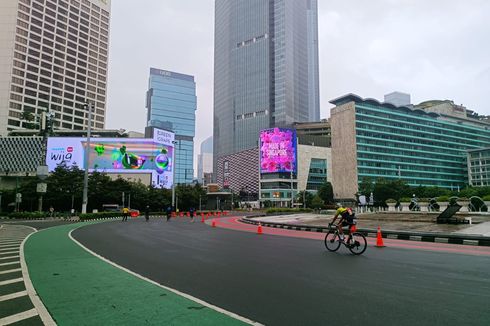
x=332, y=241
x=358, y=243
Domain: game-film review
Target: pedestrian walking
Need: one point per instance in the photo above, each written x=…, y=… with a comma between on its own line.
x=125, y=212
x=191, y=213
x=147, y=213
x=169, y=212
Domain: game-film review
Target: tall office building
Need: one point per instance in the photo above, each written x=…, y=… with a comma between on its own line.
x=171, y=103
x=205, y=162
x=423, y=145
x=265, y=69
x=53, y=54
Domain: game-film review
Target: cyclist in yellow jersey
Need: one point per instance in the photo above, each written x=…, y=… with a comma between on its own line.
x=346, y=216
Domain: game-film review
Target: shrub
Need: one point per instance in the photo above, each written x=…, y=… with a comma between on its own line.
x=28, y=215
x=424, y=200
x=442, y=199
x=93, y=216
x=405, y=200
x=391, y=201
x=462, y=199
x=486, y=198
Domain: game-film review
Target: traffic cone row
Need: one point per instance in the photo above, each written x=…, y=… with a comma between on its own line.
x=379, y=239
x=259, y=229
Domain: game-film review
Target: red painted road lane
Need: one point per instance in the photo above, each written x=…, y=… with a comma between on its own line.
x=233, y=223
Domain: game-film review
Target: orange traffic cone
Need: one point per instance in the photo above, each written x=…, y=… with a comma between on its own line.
x=202, y=218
x=213, y=223
x=259, y=229
x=188, y=214
x=379, y=239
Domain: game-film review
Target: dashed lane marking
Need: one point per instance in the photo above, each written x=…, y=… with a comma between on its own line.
x=18, y=317
x=13, y=296
x=11, y=271
x=15, y=280
x=9, y=252
x=9, y=257
x=8, y=248
x=10, y=263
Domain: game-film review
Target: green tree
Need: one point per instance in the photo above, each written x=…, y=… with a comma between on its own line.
x=308, y=197
x=317, y=202
x=326, y=192
x=366, y=187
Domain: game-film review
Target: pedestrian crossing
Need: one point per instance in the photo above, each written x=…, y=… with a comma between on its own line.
x=16, y=306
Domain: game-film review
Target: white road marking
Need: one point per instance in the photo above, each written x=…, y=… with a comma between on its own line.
x=13, y=296
x=9, y=252
x=14, y=280
x=10, y=271
x=9, y=257
x=185, y=295
x=18, y=317
x=40, y=308
x=7, y=249
x=10, y=263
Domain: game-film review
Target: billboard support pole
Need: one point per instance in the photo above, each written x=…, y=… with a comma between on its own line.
x=292, y=190
x=86, y=159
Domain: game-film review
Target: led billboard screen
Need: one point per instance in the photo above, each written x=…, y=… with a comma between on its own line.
x=117, y=155
x=277, y=150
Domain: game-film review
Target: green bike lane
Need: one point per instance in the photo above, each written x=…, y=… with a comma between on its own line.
x=79, y=288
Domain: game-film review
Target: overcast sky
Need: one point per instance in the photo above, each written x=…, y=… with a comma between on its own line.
x=432, y=49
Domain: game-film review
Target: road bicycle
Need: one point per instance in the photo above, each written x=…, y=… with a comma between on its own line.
x=355, y=241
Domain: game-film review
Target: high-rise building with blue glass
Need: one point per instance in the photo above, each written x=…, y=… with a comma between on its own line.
x=265, y=69
x=171, y=103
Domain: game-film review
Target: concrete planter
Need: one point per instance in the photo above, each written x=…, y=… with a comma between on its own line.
x=487, y=203
x=405, y=206
x=391, y=207
x=443, y=205
x=424, y=206
x=464, y=206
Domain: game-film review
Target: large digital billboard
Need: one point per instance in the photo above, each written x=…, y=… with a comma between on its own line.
x=118, y=155
x=277, y=150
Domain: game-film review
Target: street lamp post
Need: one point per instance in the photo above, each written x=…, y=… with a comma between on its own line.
x=173, y=175
x=292, y=190
x=86, y=159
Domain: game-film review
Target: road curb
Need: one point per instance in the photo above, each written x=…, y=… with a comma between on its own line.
x=470, y=240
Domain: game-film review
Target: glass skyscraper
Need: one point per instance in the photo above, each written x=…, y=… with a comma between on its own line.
x=265, y=69
x=171, y=104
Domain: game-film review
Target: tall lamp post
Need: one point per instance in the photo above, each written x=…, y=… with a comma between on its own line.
x=86, y=159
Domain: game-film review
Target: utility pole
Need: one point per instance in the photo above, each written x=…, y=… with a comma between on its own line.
x=292, y=190
x=42, y=169
x=86, y=159
x=173, y=176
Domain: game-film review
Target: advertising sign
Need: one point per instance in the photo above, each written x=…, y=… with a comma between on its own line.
x=117, y=155
x=277, y=150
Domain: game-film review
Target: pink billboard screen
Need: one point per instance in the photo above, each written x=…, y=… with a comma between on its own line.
x=277, y=150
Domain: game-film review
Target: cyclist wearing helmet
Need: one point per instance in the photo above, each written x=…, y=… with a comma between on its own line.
x=346, y=216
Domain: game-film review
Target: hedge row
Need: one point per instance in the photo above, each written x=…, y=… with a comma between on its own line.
x=288, y=210
x=28, y=215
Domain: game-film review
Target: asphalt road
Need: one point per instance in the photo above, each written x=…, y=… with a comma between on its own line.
x=288, y=281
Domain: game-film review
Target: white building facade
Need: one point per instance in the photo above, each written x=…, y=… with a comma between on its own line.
x=53, y=55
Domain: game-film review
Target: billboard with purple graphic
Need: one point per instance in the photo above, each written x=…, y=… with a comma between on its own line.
x=277, y=150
